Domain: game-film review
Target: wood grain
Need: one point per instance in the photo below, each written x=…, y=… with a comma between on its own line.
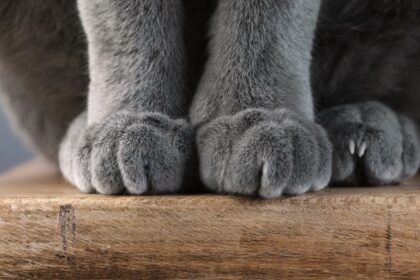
x=48, y=230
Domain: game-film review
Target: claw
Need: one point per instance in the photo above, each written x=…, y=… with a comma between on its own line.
x=352, y=147
x=362, y=149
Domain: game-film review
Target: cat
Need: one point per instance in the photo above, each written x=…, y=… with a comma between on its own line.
x=365, y=77
x=260, y=98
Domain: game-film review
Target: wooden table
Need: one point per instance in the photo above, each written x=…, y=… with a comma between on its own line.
x=49, y=230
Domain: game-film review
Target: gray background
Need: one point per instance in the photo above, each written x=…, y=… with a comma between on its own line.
x=12, y=150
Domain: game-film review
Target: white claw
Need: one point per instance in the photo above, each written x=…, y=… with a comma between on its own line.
x=352, y=147
x=362, y=149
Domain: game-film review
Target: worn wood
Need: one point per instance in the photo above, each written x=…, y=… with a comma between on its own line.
x=49, y=230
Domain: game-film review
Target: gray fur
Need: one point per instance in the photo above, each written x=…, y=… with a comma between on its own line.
x=127, y=141
x=368, y=52
x=137, y=56
x=253, y=108
x=260, y=56
x=129, y=152
x=246, y=81
x=372, y=144
x=264, y=152
x=131, y=137
x=42, y=69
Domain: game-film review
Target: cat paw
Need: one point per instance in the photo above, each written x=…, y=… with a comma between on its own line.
x=127, y=153
x=372, y=145
x=264, y=153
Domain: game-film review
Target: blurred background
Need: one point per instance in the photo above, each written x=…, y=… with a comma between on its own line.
x=12, y=150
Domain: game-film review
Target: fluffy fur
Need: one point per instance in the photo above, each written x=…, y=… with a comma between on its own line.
x=235, y=76
x=369, y=51
x=43, y=66
x=253, y=108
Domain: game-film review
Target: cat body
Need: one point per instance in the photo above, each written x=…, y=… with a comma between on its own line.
x=127, y=96
x=368, y=50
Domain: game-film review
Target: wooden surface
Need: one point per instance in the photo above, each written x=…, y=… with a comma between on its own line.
x=49, y=230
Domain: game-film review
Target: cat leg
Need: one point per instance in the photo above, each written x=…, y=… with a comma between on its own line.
x=253, y=110
x=371, y=144
x=42, y=61
x=134, y=136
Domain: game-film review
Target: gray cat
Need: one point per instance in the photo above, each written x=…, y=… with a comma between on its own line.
x=126, y=96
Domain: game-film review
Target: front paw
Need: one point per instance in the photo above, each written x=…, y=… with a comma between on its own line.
x=372, y=145
x=127, y=152
x=265, y=153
